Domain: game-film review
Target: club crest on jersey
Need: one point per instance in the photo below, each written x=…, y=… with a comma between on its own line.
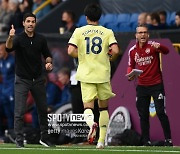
x=147, y=50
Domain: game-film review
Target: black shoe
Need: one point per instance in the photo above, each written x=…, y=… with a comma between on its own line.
x=46, y=143
x=19, y=144
x=168, y=142
x=148, y=143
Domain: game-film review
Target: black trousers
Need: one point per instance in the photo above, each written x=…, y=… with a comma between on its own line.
x=77, y=103
x=143, y=94
x=38, y=91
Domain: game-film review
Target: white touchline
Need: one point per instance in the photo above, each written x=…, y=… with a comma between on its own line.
x=87, y=149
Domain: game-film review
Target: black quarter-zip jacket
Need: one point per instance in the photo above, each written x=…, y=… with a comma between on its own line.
x=28, y=55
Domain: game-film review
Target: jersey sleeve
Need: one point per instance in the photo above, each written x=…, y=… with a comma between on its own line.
x=74, y=38
x=163, y=49
x=131, y=62
x=112, y=39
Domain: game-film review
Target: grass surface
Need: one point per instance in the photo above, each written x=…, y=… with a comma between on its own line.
x=88, y=149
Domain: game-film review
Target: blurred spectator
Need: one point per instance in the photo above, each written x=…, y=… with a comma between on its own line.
x=142, y=18
x=53, y=98
x=5, y=17
x=163, y=17
x=17, y=18
x=153, y=21
x=177, y=21
x=148, y=19
x=58, y=58
x=68, y=18
x=7, y=71
x=43, y=11
x=64, y=78
x=1, y=111
x=26, y=6
x=54, y=3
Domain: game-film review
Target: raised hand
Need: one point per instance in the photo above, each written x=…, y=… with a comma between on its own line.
x=155, y=44
x=12, y=31
x=49, y=66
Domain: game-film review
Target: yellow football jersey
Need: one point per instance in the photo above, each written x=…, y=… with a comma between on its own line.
x=93, y=46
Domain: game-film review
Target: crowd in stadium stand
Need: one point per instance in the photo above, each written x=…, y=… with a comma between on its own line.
x=127, y=22
x=12, y=11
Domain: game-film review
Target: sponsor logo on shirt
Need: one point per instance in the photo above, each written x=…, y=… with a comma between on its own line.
x=143, y=60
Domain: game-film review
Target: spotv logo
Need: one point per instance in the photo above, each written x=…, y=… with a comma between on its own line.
x=81, y=117
x=70, y=117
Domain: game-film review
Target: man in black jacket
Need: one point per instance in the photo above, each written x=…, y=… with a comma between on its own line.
x=29, y=47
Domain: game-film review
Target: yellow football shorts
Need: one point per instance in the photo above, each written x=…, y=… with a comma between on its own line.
x=91, y=91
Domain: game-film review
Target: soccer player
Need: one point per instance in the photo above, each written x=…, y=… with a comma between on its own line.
x=144, y=55
x=91, y=44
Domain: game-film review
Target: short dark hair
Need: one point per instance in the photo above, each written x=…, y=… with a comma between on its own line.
x=71, y=14
x=163, y=13
x=28, y=15
x=155, y=16
x=93, y=12
x=142, y=25
x=178, y=13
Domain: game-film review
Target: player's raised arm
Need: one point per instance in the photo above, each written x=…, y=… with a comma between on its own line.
x=9, y=41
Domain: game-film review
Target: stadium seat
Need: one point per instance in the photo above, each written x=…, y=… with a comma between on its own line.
x=109, y=18
x=101, y=20
x=134, y=18
x=82, y=21
x=133, y=26
x=113, y=26
x=172, y=18
x=125, y=27
x=168, y=17
x=123, y=18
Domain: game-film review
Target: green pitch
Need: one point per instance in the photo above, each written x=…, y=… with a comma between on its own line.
x=81, y=149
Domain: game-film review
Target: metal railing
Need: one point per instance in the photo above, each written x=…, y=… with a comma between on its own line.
x=41, y=6
x=177, y=47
